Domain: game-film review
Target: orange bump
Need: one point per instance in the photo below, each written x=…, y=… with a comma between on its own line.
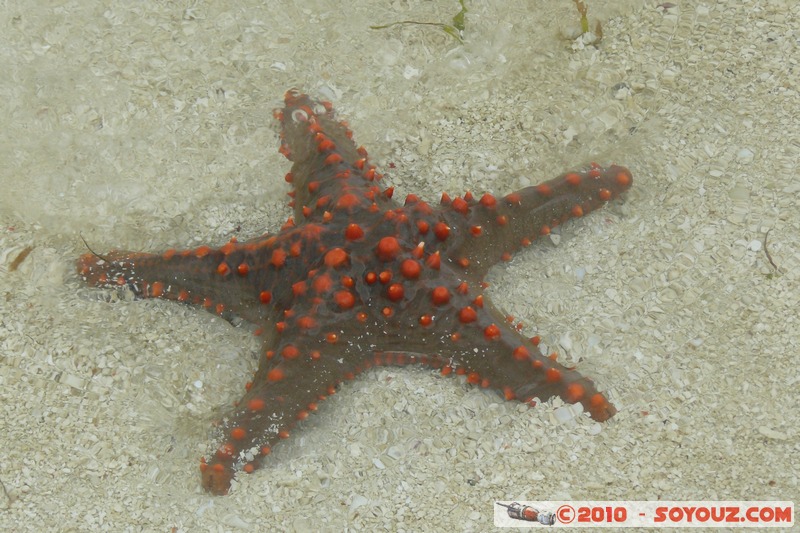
x=521, y=353
x=491, y=332
x=278, y=258
x=326, y=145
x=290, y=351
x=344, y=299
x=573, y=179
x=623, y=179
x=467, y=315
x=460, y=206
x=256, y=404
x=336, y=257
x=513, y=198
x=353, y=232
x=395, y=292
x=299, y=288
x=332, y=159
x=440, y=295
x=238, y=433
x=322, y=284
x=441, y=230
x=388, y=248
x=434, y=260
x=306, y=322
x=347, y=201
x=574, y=392
x=597, y=400
x=553, y=375
x=410, y=269
x=487, y=200
x=156, y=289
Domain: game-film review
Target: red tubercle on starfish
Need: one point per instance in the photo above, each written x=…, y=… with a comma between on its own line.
x=459, y=205
x=395, y=292
x=299, y=288
x=157, y=289
x=441, y=230
x=353, y=232
x=491, y=332
x=324, y=283
x=440, y=296
x=345, y=299
x=278, y=258
x=410, y=269
x=336, y=258
x=276, y=374
x=467, y=314
x=388, y=248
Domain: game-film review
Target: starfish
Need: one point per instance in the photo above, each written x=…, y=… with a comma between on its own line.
x=354, y=280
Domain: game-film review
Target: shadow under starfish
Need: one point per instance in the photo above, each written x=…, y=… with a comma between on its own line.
x=355, y=280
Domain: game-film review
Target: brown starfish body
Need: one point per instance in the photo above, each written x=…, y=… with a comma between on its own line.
x=356, y=280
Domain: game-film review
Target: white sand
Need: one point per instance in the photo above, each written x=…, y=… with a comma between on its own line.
x=150, y=127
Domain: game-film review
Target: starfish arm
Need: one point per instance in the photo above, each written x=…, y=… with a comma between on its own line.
x=222, y=280
x=323, y=339
x=289, y=384
x=493, y=229
x=291, y=378
x=329, y=171
x=468, y=336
